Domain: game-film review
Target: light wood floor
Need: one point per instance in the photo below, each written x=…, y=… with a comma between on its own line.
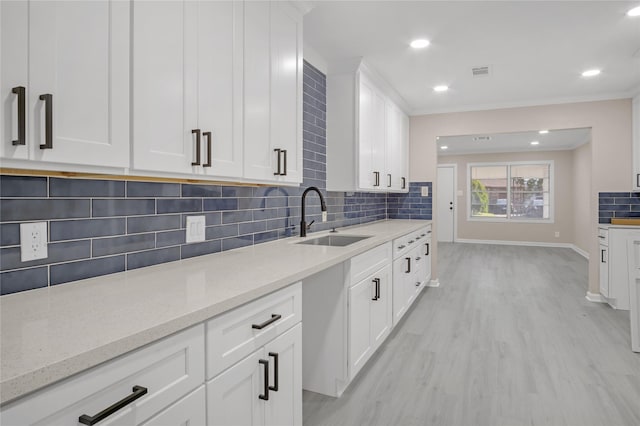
x=507, y=339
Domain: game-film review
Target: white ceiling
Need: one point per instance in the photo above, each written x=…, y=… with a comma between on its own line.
x=537, y=49
x=555, y=140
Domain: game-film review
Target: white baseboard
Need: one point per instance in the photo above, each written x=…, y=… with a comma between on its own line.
x=595, y=297
x=526, y=243
x=434, y=283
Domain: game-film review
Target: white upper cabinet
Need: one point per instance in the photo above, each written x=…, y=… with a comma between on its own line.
x=636, y=143
x=71, y=61
x=186, y=87
x=272, y=92
x=367, y=134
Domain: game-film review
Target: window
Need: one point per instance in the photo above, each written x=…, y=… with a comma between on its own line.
x=511, y=191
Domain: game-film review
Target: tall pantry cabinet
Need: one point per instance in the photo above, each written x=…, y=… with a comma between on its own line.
x=64, y=78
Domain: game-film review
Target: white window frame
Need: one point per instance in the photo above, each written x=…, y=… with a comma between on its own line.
x=509, y=219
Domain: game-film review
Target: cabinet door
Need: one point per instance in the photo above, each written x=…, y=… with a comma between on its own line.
x=393, y=146
x=360, y=297
x=427, y=260
x=381, y=310
x=636, y=142
x=403, y=171
x=401, y=280
x=220, y=85
x=165, y=85
x=191, y=410
x=371, y=128
x=272, y=92
x=285, y=368
x=604, y=270
x=79, y=53
x=232, y=397
x=14, y=60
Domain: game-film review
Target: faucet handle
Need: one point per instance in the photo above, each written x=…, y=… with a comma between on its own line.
x=310, y=223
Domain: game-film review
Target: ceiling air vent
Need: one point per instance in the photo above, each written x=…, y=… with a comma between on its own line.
x=481, y=71
x=482, y=138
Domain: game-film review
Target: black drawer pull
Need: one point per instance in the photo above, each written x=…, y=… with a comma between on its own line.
x=138, y=391
x=197, y=132
x=284, y=151
x=274, y=318
x=427, y=253
x=408, y=265
x=412, y=241
x=401, y=247
x=404, y=183
x=418, y=258
x=376, y=281
x=602, y=256
x=22, y=109
x=48, y=121
x=377, y=178
x=275, y=371
x=277, y=151
x=389, y=183
x=265, y=395
x=208, y=136
x=418, y=284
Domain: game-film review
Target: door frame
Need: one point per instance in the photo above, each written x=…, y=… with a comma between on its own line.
x=455, y=197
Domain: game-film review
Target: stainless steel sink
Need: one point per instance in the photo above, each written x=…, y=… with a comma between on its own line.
x=334, y=240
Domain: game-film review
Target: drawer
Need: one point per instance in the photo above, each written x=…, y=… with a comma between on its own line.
x=168, y=369
x=369, y=262
x=401, y=246
x=233, y=335
x=407, y=242
x=603, y=236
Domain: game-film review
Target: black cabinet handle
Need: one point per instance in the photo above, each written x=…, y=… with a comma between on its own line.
x=22, y=111
x=274, y=318
x=408, y=265
x=48, y=121
x=207, y=135
x=423, y=235
x=404, y=183
x=389, y=181
x=418, y=284
x=275, y=371
x=284, y=151
x=602, y=256
x=138, y=391
x=427, y=253
x=377, y=178
x=638, y=180
x=411, y=241
x=417, y=238
x=277, y=151
x=265, y=364
x=197, y=132
x=376, y=281
x=418, y=258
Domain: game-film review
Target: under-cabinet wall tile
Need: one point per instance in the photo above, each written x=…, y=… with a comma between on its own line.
x=12, y=210
x=59, y=187
x=23, y=186
x=23, y=279
x=60, y=230
x=153, y=189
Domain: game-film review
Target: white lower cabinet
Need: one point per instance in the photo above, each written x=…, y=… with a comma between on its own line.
x=265, y=388
x=153, y=377
x=411, y=269
x=370, y=318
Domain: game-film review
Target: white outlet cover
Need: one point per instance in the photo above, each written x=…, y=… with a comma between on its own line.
x=195, y=229
x=33, y=241
x=424, y=191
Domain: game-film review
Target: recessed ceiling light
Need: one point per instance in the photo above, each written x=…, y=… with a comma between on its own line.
x=444, y=147
x=535, y=143
x=543, y=132
x=634, y=12
x=441, y=88
x=419, y=43
x=590, y=73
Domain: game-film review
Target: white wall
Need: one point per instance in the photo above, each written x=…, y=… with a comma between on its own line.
x=611, y=167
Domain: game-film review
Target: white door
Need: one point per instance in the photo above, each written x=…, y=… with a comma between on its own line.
x=190, y=410
x=272, y=93
x=446, y=203
x=360, y=296
x=165, y=86
x=284, y=406
x=79, y=81
x=381, y=309
x=220, y=87
x=14, y=72
x=233, y=396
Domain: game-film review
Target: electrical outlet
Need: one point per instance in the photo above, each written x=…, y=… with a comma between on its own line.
x=424, y=191
x=33, y=241
x=195, y=229
x=557, y=234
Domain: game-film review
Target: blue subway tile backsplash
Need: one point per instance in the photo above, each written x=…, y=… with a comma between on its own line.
x=618, y=205
x=99, y=227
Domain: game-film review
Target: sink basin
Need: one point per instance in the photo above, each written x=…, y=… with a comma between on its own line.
x=334, y=240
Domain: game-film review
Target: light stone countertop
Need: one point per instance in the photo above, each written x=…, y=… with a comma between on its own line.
x=49, y=334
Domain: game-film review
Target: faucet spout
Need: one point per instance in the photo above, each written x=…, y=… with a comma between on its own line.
x=323, y=206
